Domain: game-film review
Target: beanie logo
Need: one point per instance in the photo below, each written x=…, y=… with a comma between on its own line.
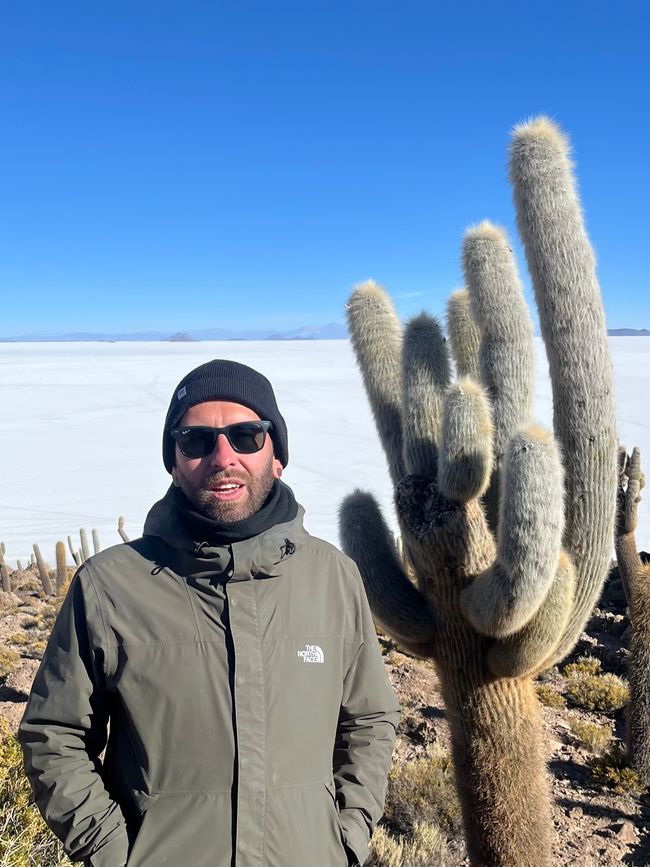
x=181, y=393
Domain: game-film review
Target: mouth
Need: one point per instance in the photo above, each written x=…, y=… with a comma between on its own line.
x=230, y=490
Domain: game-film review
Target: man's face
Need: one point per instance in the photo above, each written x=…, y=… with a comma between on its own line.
x=204, y=480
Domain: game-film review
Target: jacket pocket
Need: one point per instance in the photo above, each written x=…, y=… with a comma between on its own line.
x=303, y=827
x=186, y=828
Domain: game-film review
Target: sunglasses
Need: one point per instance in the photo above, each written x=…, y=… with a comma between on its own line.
x=245, y=437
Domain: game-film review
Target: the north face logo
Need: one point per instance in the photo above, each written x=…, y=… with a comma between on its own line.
x=312, y=653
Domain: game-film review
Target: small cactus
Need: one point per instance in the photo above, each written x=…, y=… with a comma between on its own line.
x=43, y=571
x=19, y=565
x=121, y=530
x=635, y=577
x=76, y=556
x=96, y=546
x=61, y=568
x=4, y=571
x=85, y=549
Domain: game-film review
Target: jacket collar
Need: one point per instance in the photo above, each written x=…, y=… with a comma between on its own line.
x=261, y=556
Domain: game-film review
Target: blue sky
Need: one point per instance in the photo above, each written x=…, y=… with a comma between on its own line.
x=179, y=165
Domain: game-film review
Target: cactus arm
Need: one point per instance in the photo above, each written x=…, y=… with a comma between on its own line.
x=562, y=268
x=464, y=336
x=465, y=455
x=506, y=349
x=425, y=375
x=508, y=594
x=61, y=567
x=531, y=650
x=397, y=605
x=376, y=335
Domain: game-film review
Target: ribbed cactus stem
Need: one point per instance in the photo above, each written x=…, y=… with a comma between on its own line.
x=464, y=336
x=61, y=567
x=20, y=566
x=529, y=651
x=425, y=374
x=96, y=546
x=43, y=571
x=376, y=335
x=502, y=601
x=506, y=349
x=465, y=459
x=563, y=271
x=85, y=548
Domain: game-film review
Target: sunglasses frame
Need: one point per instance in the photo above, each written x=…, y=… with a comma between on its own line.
x=177, y=433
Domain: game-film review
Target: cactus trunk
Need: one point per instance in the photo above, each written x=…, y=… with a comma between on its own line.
x=499, y=763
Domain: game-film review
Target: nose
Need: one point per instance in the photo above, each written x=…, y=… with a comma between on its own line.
x=223, y=454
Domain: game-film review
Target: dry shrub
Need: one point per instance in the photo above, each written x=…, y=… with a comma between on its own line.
x=423, y=790
x=605, y=693
x=591, y=736
x=17, y=638
x=548, y=696
x=611, y=770
x=9, y=661
x=425, y=847
x=584, y=665
x=25, y=839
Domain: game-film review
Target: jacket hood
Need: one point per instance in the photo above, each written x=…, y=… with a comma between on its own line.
x=258, y=557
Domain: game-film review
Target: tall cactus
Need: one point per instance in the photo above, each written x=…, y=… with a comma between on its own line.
x=507, y=528
x=635, y=576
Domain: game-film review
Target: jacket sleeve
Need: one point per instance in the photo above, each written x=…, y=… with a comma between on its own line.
x=64, y=730
x=366, y=733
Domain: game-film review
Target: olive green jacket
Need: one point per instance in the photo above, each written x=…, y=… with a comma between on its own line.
x=239, y=692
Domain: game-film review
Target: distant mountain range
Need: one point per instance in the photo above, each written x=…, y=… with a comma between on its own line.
x=332, y=331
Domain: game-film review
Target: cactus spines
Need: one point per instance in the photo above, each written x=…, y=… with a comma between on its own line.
x=550, y=219
x=96, y=546
x=465, y=458
x=61, y=567
x=43, y=571
x=496, y=597
x=464, y=336
x=121, y=530
x=503, y=600
x=425, y=377
x=85, y=548
x=377, y=337
x=635, y=576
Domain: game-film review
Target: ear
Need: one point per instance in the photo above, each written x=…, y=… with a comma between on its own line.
x=277, y=468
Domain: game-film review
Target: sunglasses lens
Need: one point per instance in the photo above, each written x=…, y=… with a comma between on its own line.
x=246, y=438
x=197, y=443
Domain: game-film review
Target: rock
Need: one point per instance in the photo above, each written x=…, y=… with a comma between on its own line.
x=625, y=832
x=575, y=812
x=8, y=600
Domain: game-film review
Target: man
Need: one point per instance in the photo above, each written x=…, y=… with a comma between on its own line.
x=227, y=660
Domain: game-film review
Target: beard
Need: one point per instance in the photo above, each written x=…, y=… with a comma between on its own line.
x=258, y=488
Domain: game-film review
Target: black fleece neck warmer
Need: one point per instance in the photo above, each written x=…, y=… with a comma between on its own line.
x=280, y=506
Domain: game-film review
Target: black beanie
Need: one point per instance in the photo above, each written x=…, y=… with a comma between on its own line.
x=231, y=381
